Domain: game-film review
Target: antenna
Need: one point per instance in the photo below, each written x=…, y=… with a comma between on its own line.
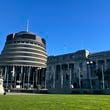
x=27, y=27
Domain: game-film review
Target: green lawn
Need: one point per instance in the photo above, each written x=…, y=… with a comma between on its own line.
x=55, y=102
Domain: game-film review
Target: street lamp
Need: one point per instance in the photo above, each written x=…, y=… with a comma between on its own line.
x=89, y=63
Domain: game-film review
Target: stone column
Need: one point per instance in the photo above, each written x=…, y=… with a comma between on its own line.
x=45, y=77
x=33, y=76
x=61, y=77
x=24, y=77
x=42, y=76
x=105, y=64
x=12, y=75
x=5, y=72
x=36, y=70
x=69, y=70
x=96, y=64
x=37, y=76
x=13, y=72
x=7, y=77
x=54, y=70
x=29, y=70
x=21, y=75
x=79, y=76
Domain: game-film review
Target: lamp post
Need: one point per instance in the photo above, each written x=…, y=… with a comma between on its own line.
x=89, y=63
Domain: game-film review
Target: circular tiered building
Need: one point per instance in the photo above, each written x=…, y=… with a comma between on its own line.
x=23, y=60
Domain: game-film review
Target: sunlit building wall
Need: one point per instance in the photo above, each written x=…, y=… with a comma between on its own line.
x=23, y=60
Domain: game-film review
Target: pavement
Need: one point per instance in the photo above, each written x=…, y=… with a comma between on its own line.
x=13, y=93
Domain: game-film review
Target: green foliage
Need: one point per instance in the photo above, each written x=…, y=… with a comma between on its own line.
x=55, y=102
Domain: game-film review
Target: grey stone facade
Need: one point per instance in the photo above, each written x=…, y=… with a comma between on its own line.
x=77, y=70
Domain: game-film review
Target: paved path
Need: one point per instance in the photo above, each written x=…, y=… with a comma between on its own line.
x=11, y=93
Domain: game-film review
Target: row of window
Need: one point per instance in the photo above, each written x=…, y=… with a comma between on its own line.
x=22, y=58
x=24, y=54
x=24, y=63
x=26, y=42
x=21, y=52
x=28, y=47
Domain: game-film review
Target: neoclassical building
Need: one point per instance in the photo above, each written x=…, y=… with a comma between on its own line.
x=23, y=60
x=77, y=70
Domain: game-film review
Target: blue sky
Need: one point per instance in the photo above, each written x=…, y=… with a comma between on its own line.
x=67, y=25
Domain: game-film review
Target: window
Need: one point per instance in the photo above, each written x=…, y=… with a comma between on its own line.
x=22, y=41
x=18, y=41
x=67, y=77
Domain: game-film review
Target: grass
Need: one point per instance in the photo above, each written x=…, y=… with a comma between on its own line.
x=55, y=102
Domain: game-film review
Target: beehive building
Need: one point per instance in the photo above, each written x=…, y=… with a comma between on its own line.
x=23, y=60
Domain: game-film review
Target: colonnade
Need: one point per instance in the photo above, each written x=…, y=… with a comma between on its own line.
x=61, y=73
x=23, y=77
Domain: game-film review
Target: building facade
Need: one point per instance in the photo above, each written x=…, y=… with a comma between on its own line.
x=23, y=60
x=78, y=70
